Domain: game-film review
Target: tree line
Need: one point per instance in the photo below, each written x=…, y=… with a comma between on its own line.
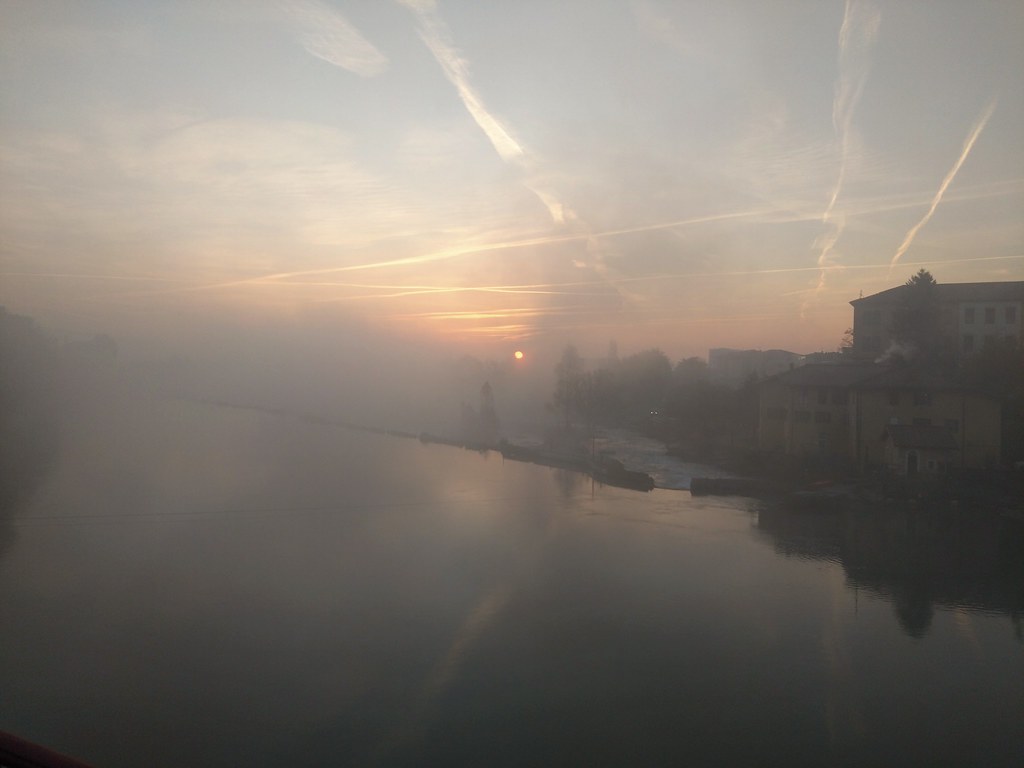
x=679, y=403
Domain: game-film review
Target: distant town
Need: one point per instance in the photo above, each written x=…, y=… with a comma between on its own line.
x=925, y=388
x=927, y=384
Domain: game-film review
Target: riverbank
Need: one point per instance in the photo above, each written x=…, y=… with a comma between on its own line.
x=636, y=461
x=603, y=469
x=818, y=485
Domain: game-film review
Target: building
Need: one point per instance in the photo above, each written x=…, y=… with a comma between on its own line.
x=843, y=413
x=805, y=412
x=970, y=315
x=911, y=449
x=922, y=396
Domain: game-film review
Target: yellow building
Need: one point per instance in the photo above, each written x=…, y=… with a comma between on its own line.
x=840, y=413
x=806, y=411
x=911, y=449
x=912, y=395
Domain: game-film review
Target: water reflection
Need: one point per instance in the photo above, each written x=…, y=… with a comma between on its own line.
x=916, y=559
x=571, y=484
x=22, y=470
x=287, y=593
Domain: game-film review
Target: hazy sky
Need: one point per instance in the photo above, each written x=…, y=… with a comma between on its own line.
x=505, y=174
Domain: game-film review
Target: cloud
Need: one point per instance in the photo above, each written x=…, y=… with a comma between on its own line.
x=658, y=25
x=420, y=6
x=972, y=137
x=328, y=35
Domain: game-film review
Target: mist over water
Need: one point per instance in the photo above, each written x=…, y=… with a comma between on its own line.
x=210, y=585
x=282, y=283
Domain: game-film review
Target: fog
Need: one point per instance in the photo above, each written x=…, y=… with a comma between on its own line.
x=425, y=383
x=329, y=368
x=63, y=387
x=213, y=552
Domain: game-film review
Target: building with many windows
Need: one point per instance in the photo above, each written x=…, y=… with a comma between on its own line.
x=970, y=316
x=846, y=413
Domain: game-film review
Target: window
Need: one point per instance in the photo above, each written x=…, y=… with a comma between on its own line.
x=1011, y=315
x=777, y=414
x=822, y=396
x=990, y=339
x=922, y=398
x=822, y=417
x=839, y=397
x=968, y=342
x=953, y=425
x=894, y=397
x=990, y=315
x=872, y=317
x=921, y=422
x=969, y=315
x=802, y=417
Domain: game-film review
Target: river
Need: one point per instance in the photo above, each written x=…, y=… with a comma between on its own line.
x=205, y=586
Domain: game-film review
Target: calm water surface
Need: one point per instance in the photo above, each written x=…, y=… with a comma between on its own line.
x=198, y=586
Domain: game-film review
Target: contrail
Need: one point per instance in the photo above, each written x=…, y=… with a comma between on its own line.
x=856, y=36
x=275, y=279
x=550, y=289
x=455, y=252
x=563, y=288
x=968, y=144
x=437, y=37
x=454, y=68
x=450, y=253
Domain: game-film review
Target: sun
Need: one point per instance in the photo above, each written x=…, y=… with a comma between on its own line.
x=518, y=355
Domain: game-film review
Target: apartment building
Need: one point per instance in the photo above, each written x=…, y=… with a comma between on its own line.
x=970, y=316
x=846, y=413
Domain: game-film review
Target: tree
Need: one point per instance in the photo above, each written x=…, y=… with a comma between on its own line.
x=568, y=383
x=644, y=379
x=691, y=369
x=488, y=414
x=915, y=320
x=600, y=399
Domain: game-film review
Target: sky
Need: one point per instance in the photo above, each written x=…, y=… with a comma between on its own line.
x=489, y=177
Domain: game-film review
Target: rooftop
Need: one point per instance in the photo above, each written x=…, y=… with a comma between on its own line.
x=954, y=292
x=829, y=374
x=874, y=376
